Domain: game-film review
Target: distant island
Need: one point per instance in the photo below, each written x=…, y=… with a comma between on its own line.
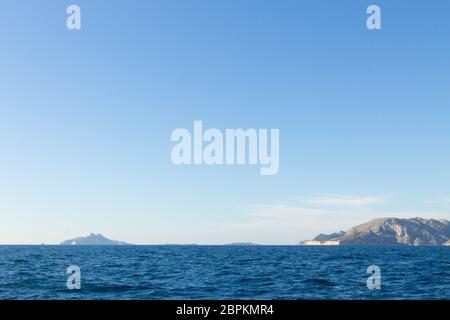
x=390, y=231
x=241, y=244
x=93, y=239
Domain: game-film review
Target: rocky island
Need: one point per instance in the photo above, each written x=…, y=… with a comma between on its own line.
x=390, y=231
x=93, y=239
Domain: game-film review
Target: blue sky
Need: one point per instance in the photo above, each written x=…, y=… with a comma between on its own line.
x=86, y=117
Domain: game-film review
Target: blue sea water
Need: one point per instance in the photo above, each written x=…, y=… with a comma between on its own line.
x=224, y=272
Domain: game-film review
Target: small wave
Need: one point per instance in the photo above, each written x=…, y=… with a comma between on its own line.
x=320, y=281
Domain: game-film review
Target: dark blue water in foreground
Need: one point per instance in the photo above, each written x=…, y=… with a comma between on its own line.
x=224, y=272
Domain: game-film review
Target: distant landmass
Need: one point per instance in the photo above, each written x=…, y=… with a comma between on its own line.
x=241, y=244
x=390, y=231
x=93, y=239
x=328, y=237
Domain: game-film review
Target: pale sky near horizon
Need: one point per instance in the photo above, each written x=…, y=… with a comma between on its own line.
x=86, y=117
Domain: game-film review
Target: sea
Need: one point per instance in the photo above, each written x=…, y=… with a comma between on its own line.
x=224, y=272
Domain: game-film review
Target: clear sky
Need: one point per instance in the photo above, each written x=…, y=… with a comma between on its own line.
x=86, y=117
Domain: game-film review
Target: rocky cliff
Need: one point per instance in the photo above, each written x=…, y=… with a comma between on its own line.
x=395, y=231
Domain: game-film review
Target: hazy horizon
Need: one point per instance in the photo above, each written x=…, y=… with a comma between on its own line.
x=237, y=242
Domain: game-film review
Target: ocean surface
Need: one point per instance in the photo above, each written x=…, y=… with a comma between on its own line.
x=224, y=272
